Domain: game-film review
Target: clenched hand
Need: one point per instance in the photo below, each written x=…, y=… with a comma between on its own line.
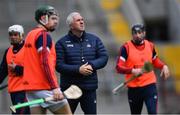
x=86, y=69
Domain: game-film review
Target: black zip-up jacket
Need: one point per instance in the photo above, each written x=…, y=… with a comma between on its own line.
x=72, y=52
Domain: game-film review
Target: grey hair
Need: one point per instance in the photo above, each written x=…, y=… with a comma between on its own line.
x=69, y=19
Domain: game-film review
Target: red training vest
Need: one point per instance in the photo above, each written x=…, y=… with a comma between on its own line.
x=34, y=75
x=15, y=83
x=136, y=59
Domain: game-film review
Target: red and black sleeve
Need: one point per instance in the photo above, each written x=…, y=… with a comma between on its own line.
x=120, y=64
x=44, y=57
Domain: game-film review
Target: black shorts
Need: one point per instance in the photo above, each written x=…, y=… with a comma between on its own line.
x=20, y=97
x=137, y=96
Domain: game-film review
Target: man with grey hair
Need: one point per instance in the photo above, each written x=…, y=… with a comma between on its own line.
x=79, y=56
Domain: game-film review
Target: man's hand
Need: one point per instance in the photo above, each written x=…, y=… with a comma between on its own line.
x=165, y=72
x=137, y=71
x=58, y=95
x=86, y=69
x=11, y=67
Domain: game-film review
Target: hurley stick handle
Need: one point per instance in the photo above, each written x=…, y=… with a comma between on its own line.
x=73, y=92
x=148, y=67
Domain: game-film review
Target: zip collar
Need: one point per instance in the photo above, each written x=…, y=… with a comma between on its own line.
x=75, y=38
